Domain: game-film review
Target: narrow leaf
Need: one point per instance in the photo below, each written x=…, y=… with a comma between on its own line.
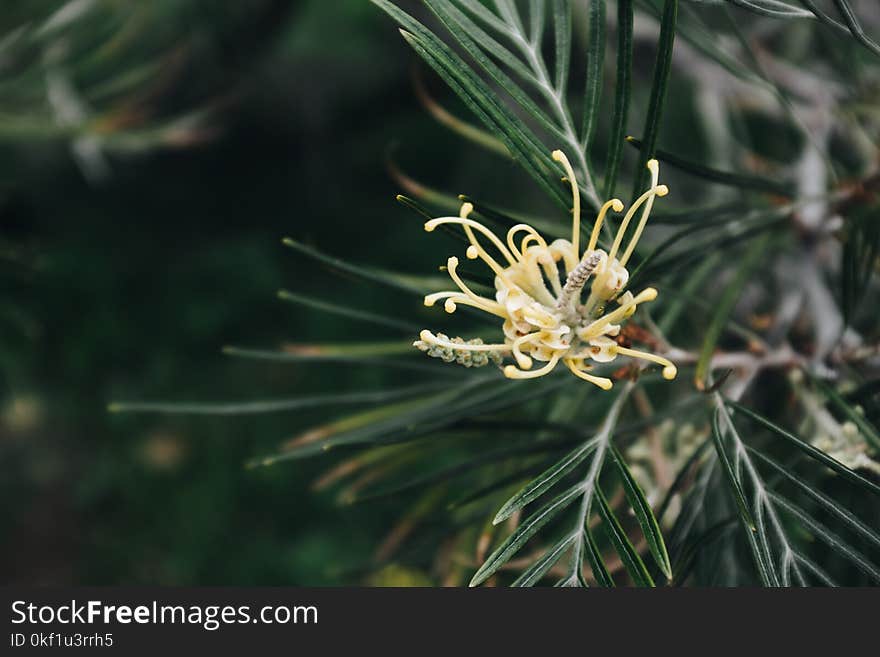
x=852, y=22
x=595, y=560
x=628, y=554
x=763, y=561
x=443, y=116
x=822, y=500
x=809, y=450
x=742, y=181
x=643, y=513
x=658, y=91
x=523, y=146
x=811, y=566
x=271, y=406
x=524, y=532
x=543, y=482
x=549, y=477
x=865, y=427
x=476, y=94
x=622, y=91
x=772, y=8
x=828, y=537
x=537, y=570
x=366, y=273
x=562, y=31
x=595, y=69
x=346, y=311
x=336, y=354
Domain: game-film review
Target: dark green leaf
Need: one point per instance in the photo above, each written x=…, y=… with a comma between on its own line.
x=528, y=528
x=549, y=477
x=349, y=313
x=754, y=183
x=772, y=8
x=562, y=31
x=644, y=514
x=476, y=94
x=537, y=570
x=389, y=279
x=274, y=405
x=809, y=450
x=869, y=430
x=628, y=554
x=544, y=481
x=662, y=70
x=595, y=69
x=852, y=22
x=621, y=93
x=317, y=355
x=594, y=559
x=822, y=500
x=522, y=145
x=763, y=560
x=830, y=538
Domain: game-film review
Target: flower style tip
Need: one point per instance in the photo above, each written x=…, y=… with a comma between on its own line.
x=548, y=318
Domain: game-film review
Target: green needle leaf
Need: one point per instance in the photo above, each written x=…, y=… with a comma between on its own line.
x=562, y=31
x=524, y=532
x=622, y=91
x=595, y=69
x=763, y=560
x=658, y=91
x=594, y=558
x=628, y=554
x=742, y=181
x=537, y=570
x=644, y=514
x=809, y=450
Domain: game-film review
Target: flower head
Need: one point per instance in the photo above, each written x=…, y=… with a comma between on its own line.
x=548, y=316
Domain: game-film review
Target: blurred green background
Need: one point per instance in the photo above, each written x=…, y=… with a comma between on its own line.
x=128, y=285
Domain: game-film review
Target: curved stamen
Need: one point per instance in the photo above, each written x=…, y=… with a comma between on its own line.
x=614, y=204
x=452, y=267
x=600, y=381
x=559, y=156
x=595, y=328
x=452, y=303
x=454, y=298
x=468, y=224
x=661, y=191
x=532, y=233
x=669, y=369
x=532, y=238
x=524, y=361
x=511, y=372
x=626, y=219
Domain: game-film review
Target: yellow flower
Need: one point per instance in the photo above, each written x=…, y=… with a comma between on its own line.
x=545, y=318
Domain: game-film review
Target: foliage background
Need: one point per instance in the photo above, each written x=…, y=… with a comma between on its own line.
x=127, y=287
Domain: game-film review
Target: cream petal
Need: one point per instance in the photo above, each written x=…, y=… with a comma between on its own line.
x=603, y=350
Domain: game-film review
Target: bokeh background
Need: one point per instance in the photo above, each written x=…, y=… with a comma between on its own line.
x=123, y=280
